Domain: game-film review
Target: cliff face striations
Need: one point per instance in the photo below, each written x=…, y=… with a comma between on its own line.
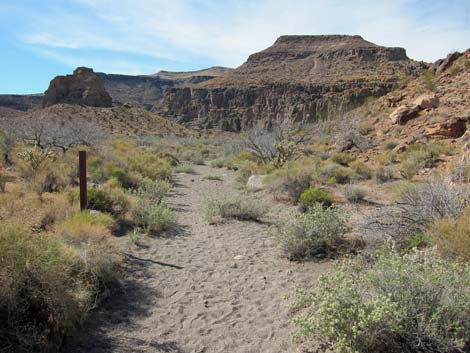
x=299, y=77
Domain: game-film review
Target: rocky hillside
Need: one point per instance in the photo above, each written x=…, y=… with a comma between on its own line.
x=299, y=77
x=21, y=102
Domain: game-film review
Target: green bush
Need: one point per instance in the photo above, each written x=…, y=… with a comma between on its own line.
x=314, y=195
x=152, y=217
x=241, y=207
x=390, y=303
x=315, y=233
x=153, y=191
x=94, y=218
x=106, y=200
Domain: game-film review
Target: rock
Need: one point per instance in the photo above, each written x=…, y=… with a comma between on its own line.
x=403, y=114
x=427, y=101
x=447, y=62
x=451, y=128
x=239, y=257
x=400, y=148
x=83, y=87
x=255, y=182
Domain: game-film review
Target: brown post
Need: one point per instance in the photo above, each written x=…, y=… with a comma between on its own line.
x=82, y=177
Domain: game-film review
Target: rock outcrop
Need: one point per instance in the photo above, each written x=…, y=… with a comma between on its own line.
x=83, y=87
x=300, y=77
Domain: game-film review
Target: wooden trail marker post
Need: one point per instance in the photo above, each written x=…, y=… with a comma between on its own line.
x=82, y=178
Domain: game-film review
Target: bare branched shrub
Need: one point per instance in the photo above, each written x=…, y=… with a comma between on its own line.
x=46, y=130
x=278, y=144
x=417, y=208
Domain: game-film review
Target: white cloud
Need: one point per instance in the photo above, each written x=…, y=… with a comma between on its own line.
x=226, y=32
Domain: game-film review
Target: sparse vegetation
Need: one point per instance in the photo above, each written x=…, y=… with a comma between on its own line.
x=212, y=177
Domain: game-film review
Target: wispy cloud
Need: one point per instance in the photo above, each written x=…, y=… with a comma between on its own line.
x=190, y=33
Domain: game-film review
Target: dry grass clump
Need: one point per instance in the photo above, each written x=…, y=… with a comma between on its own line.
x=336, y=173
x=383, y=174
x=243, y=207
x=452, y=236
x=361, y=169
x=314, y=234
x=389, y=303
x=48, y=286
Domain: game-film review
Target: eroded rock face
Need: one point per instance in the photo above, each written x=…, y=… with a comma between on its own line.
x=451, y=128
x=83, y=87
x=302, y=78
x=403, y=114
x=427, y=101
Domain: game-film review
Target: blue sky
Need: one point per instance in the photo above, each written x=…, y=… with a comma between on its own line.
x=41, y=39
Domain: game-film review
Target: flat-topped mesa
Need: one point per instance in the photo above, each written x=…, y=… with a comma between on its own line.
x=320, y=60
x=302, y=78
x=82, y=87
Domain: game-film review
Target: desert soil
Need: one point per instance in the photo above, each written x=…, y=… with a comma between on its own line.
x=201, y=288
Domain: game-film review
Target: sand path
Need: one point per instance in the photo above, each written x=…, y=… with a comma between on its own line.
x=225, y=288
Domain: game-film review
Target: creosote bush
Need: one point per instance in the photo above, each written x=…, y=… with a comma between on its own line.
x=389, y=303
x=290, y=181
x=383, y=174
x=313, y=234
x=314, y=195
x=104, y=199
x=240, y=206
x=153, y=191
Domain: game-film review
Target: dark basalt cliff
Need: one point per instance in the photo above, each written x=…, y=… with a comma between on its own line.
x=299, y=77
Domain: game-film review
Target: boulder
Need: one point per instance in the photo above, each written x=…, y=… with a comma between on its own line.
x=426, y=101
x=451, y=128
x=255, y=182
x=447, y=62
x=404, y=113
x=83, y=87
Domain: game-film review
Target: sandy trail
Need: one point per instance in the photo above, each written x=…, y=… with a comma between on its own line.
x=230, y=294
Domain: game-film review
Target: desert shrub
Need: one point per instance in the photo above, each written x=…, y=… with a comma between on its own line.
x=417, y=207
x=460, y=172
x=413, y=303
x=428, y=79
x=47, y=289
x=185, y=168
x=212, y=177
x=452, y=236
x=354, y=193
x=124, y=178
x=314, y=195
x=217, y=163
x=342, y=158
x=416, y=158
x=153, y=191
x=336, y=173
x=361, y=169
x=153, y=217
x=290, y=181
x=241, y=207
x=390, y=145
x=3, y=183
x=383, y=174
x=104, y=199
x=315, y=233
x=366, y=128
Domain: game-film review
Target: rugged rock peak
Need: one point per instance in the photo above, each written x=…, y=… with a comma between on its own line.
x=82, y=87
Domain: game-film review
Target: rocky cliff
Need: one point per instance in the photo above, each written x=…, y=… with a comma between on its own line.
x=83, y=87
x=299, y=77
